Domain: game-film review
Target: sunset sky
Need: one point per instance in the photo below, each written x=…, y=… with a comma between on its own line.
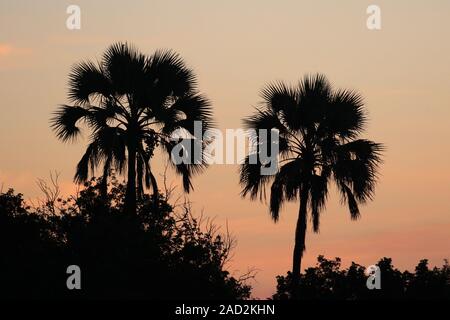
x=235, y=48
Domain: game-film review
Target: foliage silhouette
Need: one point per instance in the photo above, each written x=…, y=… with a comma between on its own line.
x=319, y=131
x=159, y=253
x=327, y=281
x=132, y=103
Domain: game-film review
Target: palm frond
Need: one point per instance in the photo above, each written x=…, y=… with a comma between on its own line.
x=89, y=161
x=264, y=119
x=87, y=79
x=286, y=185
x=362, y=149
x=98, y=118
x=318, y=195
x=251, y=179
x=278, y=96
x=185, y=111
x=351, y=201
x=191, y=166
x=169, y=74
x=64, y=121
x=345, y=116
x=314, y=93
x=283, y=101
x=125, y=67
x=356, y=166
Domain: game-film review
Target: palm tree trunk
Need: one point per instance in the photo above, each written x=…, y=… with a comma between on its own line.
x=299, y=247
x=154, y=186
x=130, y=195
x=139, y=174
x=104, y=182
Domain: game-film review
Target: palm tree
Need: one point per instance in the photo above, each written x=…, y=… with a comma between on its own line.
x=319, y=142
x=132, y=103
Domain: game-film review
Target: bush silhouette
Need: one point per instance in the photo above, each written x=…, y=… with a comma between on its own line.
x=327, y=281
x=157, y=254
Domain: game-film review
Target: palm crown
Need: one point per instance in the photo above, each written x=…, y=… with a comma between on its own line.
x=319, y=142
x=132, y=103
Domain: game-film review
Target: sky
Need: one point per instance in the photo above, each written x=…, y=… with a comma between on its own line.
x=235, y=48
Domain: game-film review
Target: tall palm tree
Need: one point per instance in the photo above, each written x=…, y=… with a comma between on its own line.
x=132, y=103
x=319, y=130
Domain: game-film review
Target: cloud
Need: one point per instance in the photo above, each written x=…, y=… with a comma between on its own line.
x=7, y=50
x=13, y=57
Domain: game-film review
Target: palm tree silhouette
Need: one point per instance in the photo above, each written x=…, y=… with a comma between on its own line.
x=319, y=131
x=132, y=103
